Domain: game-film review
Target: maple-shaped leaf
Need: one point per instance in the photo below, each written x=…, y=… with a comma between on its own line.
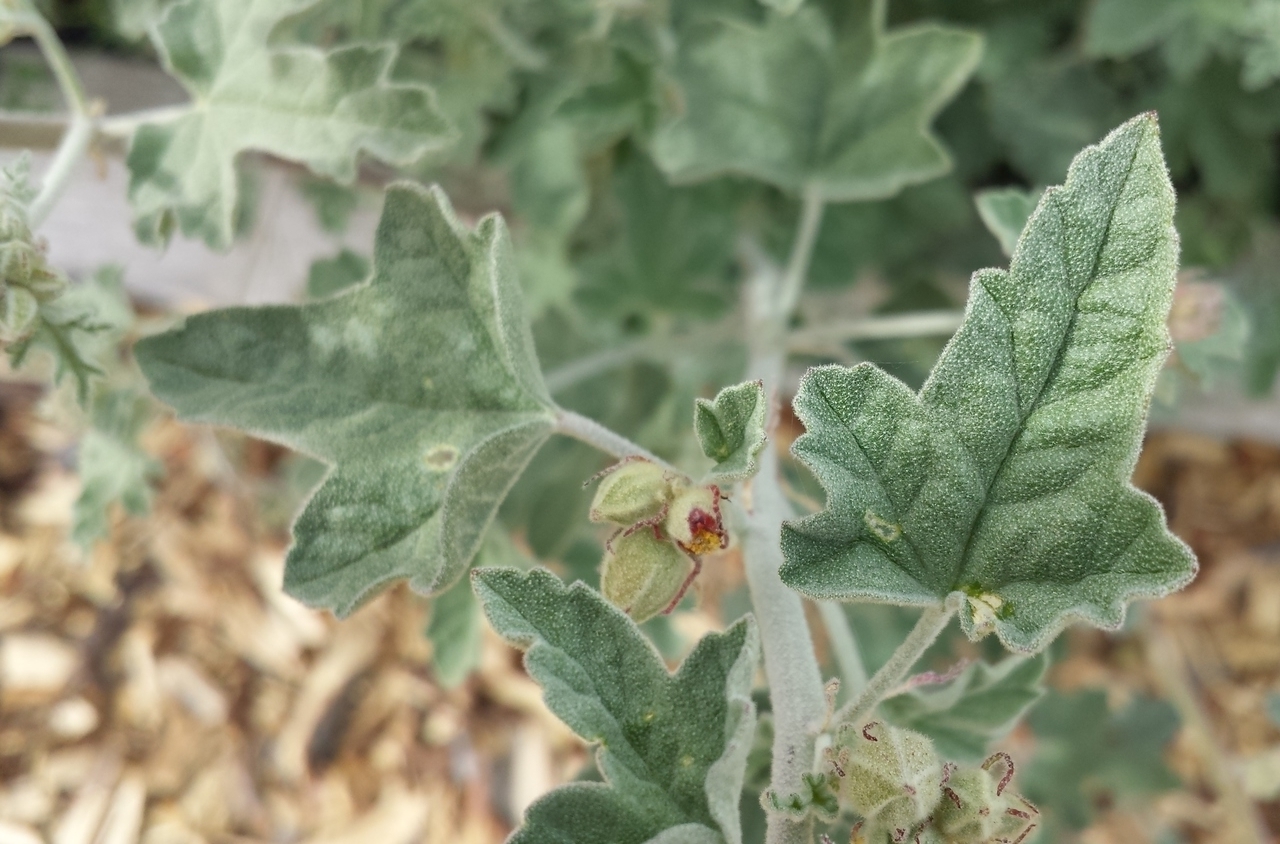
x=420, y=387
x=318, y=108
x=796, y=104
x=1008, y=475
x=672, y=748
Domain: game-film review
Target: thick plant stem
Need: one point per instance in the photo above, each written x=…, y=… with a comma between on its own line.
x=931, y=624
x=844, y=645
x=795, y=683
x=593, y=433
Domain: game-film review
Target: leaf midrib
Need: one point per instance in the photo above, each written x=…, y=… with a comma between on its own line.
x=1059, y=354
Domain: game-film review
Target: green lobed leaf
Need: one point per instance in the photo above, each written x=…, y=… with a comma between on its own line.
x=111, y=465
x=328, y=276
x=456, y=634
x=1188, y=31
x=672, y=748
x=314, y=107
x=795, y=104
x=1005, y=212
x=731, y=430
x=964, y=716
x=1085, y=754
x=669, y=248
x=420, y=387
x=1007, y=476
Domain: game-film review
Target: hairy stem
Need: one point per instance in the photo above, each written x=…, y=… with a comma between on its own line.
x=795, y=683
x=931, y=624
x=657, y=348
x=594, y=434
x=918, y=324
x=844, y=645
x=801, y=251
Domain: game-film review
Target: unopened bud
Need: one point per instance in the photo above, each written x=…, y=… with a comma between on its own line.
x=890, y=776
x=643, y=574
x=633, y=491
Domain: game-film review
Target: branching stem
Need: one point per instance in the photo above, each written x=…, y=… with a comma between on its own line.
x=931, y=624
x=76, y=139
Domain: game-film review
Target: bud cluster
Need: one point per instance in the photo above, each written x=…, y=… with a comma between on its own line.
x=666, y=524
x=26, y=279
x=894, y=778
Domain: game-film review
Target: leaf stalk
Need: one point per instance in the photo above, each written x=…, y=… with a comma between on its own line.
x=931, y=624
x=594, y=434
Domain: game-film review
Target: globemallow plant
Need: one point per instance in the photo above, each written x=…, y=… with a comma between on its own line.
x=997, y=494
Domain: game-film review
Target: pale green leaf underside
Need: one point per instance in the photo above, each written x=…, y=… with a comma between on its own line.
x=1008, y=474
x=314, y=107
x=419, y=386
x=790, y=104
x=731, y=430
x=1005, y=211
x=964, y=716
x=672, y=748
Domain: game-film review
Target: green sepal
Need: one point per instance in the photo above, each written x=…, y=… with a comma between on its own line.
x=672, y=748
x=1007, y=476
x=420, y=387
x=890, y=776
x=632, y=491
x=980, y=807
x=731, y=431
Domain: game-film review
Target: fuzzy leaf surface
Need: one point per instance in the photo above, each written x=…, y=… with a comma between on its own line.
x=672, y=748
x=1008, y=475
x=794, y=104
x=980, y=706
x=420, y=387
x=318, y=108
x=731, y=430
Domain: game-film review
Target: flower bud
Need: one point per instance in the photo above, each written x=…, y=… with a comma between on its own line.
x=694, y=522
x=890, y=776
x=643, y=574
x=978, y=807
x=633, y=491
x=18, y=308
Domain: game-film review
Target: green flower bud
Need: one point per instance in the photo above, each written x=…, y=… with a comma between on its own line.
x=46, y=284
x=632, y=492
x=979, y=808
x=694, y=522
x=18, y=309
x=890, y=776
x=644, y=575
